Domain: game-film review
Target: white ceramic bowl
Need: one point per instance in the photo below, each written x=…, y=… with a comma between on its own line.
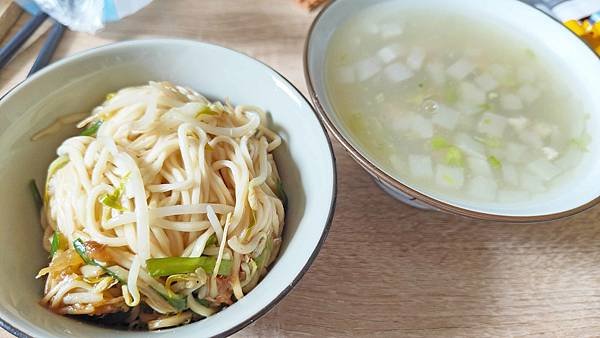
x=77, y=84
x=518, y=18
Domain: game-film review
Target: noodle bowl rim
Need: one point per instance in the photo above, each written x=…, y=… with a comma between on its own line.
x=294, y=93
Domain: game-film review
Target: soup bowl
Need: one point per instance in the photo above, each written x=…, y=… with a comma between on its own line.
x=79, y=83
x=514, y=17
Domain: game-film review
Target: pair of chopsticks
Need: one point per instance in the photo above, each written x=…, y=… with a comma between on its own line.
x=10, y=48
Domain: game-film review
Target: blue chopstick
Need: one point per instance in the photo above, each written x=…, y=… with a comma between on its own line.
x=48, y=49
x=12, y=46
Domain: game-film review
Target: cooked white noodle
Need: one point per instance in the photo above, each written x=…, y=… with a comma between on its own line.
x=167, y=173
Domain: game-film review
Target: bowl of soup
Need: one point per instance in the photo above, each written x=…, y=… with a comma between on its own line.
x=485, y=110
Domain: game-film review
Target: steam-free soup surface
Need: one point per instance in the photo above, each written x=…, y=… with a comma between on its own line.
x=455, y=106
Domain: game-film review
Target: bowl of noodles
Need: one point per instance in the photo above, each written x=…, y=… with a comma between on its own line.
x=162, y=185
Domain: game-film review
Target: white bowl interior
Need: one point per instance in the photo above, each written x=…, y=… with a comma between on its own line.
x=78, y=84
x=580, y=66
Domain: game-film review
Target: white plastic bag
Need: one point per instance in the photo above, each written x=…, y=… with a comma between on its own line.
x=89, y=15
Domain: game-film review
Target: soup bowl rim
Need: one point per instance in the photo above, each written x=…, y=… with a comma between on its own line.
x=405, y=189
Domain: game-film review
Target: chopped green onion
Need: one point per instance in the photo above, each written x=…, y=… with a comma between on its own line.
x=438, y=142
x=419, y=98
x=58, y=242
x=203, y=302
x=176, y=301
x=251, y=225
x=510, y=81
x=493, y=95
x=261, y=260
x=485, y=107
x=52, y=169
x=158, y=267
x=280, y=192
x=494, y=162
x=454, y=156
x=81, y=250
x=212, y=240
x=448, y=179
x=205, y=111
x=451, y=94
x=491, y=142
x=37, y=197
x=109, y=96
x=113, y=200
x=530, y=53
x=582, y=142
x=92, y=129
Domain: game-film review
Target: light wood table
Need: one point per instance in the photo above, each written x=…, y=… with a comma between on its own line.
x=387, y=269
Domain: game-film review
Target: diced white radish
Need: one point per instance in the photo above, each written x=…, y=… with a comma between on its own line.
x=415, y=58
x=371, y=27
x=519, y=122
x=529, y=93
x=345, y=74
x=467, y=108
x=397, y=162
x=367, y=68
x=515, y=152
x=422, y=126
x=390, y=53
x=473, y=52
x=387, y=55
x=511, y=102
x=470, y=94
x=482, y=188
x=397, y=72
x=420, y=166
x=511, y=196
x=445, y=117
x=544, y=169
x=510, y=174
x=543, y=129
x=480, y=166
x=467, y=144
x=531, y=183
x=499, y=72
x=550, y=153
x=492, y=124
x=570, y=159
x=436, y=73
x=525, y=74
x=402, y=121
x=449, y=177
x=531, y=138
x=390, y=30
x=486, y=82
x=460, y=69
